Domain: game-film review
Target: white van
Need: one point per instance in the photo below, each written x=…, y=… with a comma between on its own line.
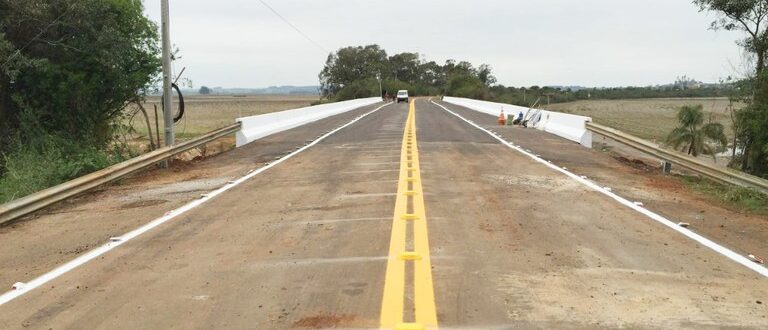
x=402, y=95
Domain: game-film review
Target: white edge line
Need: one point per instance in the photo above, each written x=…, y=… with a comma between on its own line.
x=686, y=232
x=90, y=255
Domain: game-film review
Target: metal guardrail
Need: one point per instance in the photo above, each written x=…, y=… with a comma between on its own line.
x=722, y=175
x=41, y=199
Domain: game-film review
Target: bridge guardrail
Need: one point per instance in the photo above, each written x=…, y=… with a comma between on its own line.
x=721, y=175
x=41, y=199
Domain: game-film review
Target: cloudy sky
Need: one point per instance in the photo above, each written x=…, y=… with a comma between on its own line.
x=241, y=43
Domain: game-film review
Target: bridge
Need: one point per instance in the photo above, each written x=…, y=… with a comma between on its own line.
x=395, y=216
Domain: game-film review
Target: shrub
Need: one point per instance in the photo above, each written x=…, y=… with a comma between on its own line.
x=49, y=161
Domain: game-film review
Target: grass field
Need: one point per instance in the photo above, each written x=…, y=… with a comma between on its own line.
x=650, y=119
x=206, y=113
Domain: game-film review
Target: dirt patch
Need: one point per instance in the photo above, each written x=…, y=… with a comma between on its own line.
x=324, y=321
x=665, y=182
x=635, y=163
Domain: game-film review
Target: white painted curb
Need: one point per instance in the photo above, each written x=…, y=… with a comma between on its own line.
x=744, y=261
x=255, y=127
x=93, y=254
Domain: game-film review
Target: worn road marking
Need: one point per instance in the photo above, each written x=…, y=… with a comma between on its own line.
x=95, y=253
x=409, y=189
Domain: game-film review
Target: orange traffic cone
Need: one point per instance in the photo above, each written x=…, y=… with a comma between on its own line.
x=502, y=118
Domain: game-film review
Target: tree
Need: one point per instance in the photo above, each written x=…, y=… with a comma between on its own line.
x=73, y=64
x=406, y=67
x=695, y=138
x=751, y=122
x=67, y=69
x=485, y=75
x=466, y=85
x=350, y=64
x=204, y=90
x=750, y=16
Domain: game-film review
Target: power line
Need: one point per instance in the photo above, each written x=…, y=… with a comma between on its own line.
x=294, y=27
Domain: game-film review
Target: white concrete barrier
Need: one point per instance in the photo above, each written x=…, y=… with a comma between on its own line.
x=491, y=108
x=571, y=127
x=256, y=127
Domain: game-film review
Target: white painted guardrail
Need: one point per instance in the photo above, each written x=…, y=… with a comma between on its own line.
x=255, y=127
x=571, y=127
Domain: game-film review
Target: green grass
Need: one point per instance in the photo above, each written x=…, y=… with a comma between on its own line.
x=28, y=170
x=738, y=198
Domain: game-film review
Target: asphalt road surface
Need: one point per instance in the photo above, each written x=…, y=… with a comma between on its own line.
x=324, y=240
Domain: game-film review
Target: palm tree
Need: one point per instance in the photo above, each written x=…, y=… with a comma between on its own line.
x=694, y=136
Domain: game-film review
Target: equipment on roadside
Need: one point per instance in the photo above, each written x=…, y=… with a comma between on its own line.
x=502, y=118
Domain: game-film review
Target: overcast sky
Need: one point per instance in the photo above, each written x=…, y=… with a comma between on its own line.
x=241, y=43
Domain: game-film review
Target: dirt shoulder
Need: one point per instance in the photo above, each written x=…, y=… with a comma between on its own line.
x=743, y=232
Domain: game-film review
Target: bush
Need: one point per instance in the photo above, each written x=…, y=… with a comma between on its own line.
x=49, y=161
x=358, y=89
x=467, y=86
x=69, y=69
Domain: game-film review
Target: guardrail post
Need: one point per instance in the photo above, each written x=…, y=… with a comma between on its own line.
x=666, y=167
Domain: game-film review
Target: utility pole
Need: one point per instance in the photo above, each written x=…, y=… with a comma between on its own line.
x=167, y=91
x=381, y=91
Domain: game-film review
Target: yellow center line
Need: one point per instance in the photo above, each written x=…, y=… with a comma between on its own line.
x=392, y=304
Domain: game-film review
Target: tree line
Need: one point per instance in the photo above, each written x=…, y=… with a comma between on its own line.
x=364, y=71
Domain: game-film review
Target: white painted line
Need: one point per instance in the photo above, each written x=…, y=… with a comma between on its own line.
x=90, y=255
x=744, y=261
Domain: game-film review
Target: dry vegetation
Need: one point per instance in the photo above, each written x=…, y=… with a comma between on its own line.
x=206, y=113
x=650, y=119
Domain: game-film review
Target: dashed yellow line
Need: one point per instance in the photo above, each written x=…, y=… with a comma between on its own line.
x=409, y=190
